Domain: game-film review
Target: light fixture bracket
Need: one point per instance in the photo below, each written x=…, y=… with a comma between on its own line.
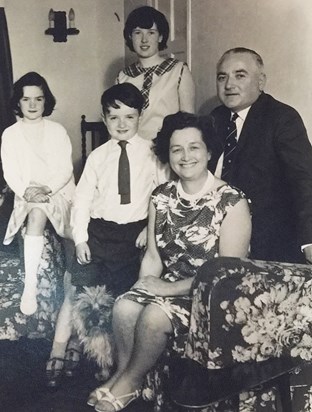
x=58, y=25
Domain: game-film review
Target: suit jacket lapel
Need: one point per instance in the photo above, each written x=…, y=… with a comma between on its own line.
x=220, y=117
x=252, y=124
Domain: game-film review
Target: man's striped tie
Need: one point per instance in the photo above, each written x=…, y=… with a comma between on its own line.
x=229, y=147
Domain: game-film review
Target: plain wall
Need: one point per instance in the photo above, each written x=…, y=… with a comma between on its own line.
x=280, y=30
x=77, y=71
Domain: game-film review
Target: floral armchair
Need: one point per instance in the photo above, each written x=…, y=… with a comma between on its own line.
x=245, y=311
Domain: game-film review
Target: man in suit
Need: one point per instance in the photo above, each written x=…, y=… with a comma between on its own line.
x=271, y=162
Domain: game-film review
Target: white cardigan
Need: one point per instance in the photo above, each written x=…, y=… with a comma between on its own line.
x=16, y=162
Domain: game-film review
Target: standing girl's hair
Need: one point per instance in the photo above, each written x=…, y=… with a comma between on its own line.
x=144, y=17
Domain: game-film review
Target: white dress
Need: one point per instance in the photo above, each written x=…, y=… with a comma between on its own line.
x=38, y=154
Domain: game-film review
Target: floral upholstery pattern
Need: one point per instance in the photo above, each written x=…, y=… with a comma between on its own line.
x=242, y=311
x=13, y=323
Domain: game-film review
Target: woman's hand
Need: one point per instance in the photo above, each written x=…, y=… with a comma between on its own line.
x=160, y=287
x=153, y=285
x=83, y=253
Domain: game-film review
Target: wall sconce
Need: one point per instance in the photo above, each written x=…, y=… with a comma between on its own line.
x=58, y=25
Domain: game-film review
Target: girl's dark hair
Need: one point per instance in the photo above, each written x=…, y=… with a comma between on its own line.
x=179, y=121
x=144, y=17
x=32, y=79
x=125, y=93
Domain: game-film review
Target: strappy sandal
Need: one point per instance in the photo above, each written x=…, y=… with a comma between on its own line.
x=72, y=360
x=97, y=395
x=116, y=402
x=54, y=374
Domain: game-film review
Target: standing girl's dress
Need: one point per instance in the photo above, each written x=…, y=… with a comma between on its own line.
x=160, y=87
x=38, y=154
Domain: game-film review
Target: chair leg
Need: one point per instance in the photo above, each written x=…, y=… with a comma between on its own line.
x=283, y=385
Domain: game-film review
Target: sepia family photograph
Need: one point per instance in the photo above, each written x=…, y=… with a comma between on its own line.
x=155, y=205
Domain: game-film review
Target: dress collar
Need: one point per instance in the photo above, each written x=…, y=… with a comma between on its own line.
x=135, y=69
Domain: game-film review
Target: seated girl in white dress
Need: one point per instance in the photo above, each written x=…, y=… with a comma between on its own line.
x=37, y=166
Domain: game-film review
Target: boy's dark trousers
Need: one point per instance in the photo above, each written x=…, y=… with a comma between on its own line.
x=115, y=258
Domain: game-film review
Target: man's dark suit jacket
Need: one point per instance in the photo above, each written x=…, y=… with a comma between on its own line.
x=273, y=167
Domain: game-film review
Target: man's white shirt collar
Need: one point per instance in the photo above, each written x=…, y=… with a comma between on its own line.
x=242, y=114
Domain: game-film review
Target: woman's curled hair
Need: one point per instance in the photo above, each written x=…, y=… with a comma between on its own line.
x=179, y=121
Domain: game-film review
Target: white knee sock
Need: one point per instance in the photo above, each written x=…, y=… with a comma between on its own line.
x=33, y=247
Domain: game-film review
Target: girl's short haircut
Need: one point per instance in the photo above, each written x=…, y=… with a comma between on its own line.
x=180, y=121
x=144, y=17
x=125, y=93
x=32, y=79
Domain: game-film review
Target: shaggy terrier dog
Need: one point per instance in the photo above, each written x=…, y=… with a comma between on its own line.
x=92, y=320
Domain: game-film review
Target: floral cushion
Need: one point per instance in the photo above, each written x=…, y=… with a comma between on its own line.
x=14, y=324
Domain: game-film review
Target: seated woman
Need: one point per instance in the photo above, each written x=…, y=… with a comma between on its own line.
x=192, y=219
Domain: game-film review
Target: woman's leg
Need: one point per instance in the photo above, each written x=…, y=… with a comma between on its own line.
x=33, y=247
x=125, y=316
x=150, y=339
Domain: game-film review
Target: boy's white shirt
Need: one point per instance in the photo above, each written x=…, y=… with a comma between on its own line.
x=97, y=195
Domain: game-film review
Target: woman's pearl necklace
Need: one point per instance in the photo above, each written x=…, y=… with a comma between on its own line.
x=194, y=197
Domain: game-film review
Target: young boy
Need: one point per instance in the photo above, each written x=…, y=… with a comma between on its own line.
x=109, y=214
x=107, y=229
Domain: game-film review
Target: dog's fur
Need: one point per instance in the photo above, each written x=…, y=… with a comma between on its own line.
x=92, y=320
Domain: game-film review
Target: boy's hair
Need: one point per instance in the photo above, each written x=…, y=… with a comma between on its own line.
x=125, y=93
x=180, y=121
x=144, y=17
x=32, y=79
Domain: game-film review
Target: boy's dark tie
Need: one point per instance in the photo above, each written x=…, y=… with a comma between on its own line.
x=229, y=147
x=124, y=174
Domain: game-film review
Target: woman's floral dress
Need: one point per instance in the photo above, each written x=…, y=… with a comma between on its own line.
x=187, y=235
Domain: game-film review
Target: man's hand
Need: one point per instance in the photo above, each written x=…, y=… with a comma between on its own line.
x=308, y=253
x=83, y=253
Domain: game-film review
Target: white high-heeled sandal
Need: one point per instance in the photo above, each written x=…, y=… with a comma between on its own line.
x=98, y=395
x=116, y=401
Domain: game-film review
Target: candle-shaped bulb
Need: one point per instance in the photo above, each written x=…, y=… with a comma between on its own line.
x=71, y=18
x=51, y=19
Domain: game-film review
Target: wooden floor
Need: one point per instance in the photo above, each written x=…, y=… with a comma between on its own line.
x=22, y=382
